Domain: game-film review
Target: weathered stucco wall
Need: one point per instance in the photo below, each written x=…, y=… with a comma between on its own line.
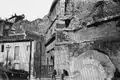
x=21, y=54
x=61, y=58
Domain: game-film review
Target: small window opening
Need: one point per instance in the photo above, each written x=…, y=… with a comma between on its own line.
x=16, y=52
x=66, y=2
x=67, y=22
x=118, y=24
x=2, y=48
x=65, y=72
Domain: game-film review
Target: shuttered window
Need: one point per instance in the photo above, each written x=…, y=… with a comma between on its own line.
x=16, y=52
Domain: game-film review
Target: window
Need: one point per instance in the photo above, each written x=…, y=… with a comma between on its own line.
x=2, y=48
x=16, y=52
x=28, y=47
x=67, y=22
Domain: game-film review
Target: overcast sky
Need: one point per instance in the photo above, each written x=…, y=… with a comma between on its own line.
x=31, y=8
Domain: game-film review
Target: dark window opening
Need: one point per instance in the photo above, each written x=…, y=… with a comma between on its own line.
x=2, y=48
x=5, y=32
x=52, y=60
x=118, y=23
x=116, y=74
x=65, y=72
x=66, y=2
x=67, y=22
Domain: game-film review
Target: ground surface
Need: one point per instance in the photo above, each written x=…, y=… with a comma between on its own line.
x=17, y=79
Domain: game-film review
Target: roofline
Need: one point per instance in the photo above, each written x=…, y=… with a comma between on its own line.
x=13, y=41
x=53, y=5
x=33, y=33
x=51, y=24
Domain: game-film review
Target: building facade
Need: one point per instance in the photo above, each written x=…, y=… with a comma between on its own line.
x=80, y=37
x=22, y=50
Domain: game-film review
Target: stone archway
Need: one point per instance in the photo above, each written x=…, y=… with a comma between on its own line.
x=92, y=65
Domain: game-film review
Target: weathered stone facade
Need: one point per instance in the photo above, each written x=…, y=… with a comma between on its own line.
x=91, y=38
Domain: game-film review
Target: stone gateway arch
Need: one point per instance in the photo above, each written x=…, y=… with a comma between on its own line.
x=92, y=65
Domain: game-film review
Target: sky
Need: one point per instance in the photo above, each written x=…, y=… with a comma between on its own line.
x=32, y=9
